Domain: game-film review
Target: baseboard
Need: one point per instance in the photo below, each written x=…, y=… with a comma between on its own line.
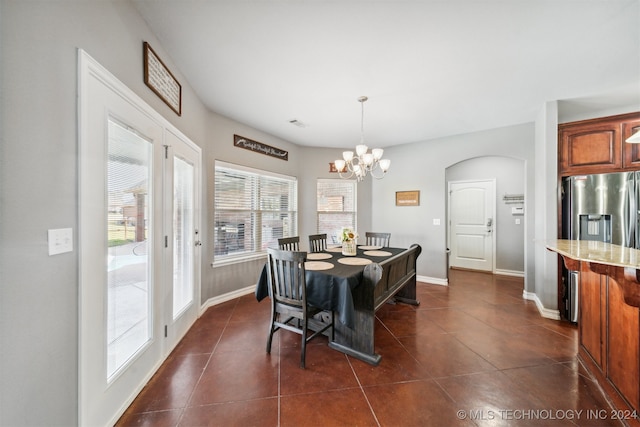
x=513, y=273
x=544, y=312
x=433, y=280
x=226, y=297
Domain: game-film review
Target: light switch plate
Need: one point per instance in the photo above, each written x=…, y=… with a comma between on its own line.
x=60, y=241
x=436, y=221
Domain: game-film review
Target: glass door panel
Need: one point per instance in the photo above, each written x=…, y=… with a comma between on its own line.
x=129, y=303
x=183, y=234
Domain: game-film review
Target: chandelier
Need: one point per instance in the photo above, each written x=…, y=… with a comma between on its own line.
x=364, y=161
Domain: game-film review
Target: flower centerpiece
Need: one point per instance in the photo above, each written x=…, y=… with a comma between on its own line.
x=348, y=238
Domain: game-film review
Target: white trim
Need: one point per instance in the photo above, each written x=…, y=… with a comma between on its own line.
x=226, y=297
x=544, y=312
x=255, y=171
x=513, y=273
x=433, y=280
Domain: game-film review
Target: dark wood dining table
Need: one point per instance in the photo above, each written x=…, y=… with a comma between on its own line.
x=355, y=287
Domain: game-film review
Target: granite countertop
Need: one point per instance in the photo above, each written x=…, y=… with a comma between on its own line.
x=596, y=252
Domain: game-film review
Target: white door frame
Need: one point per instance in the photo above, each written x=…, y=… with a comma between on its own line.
x=102, y=402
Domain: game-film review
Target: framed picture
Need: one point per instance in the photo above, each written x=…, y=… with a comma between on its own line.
x=160, y=80
x=408, y=198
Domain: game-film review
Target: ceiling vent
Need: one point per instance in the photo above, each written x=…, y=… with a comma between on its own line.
x=298, y=123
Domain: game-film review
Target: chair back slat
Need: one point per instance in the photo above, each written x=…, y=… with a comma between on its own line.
x=287, y=276
x=377, y=239
x=317, y=242
x=289, y=243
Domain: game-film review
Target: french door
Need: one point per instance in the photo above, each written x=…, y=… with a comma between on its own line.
x=139, y=254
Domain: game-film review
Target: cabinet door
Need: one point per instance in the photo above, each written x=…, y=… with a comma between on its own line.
x=587, y=148
x=631, y=151
x=590, y=317
x=623, y=362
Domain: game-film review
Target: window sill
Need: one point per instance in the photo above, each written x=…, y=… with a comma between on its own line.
x=239, y=260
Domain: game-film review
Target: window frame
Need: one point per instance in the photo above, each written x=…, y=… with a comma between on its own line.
x=256, y=212
x=352, y=185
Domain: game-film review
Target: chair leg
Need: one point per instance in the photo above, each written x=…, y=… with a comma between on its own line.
x=273, y=319
x=303, y=351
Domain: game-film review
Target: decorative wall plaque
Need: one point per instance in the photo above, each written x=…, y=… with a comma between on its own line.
x=160, y=80
x=407, y=198
x=334, y=169
x=259, y=147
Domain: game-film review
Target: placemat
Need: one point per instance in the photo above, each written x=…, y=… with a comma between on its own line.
x=369, y=247
x=318, y=265
x=336, y=249
x=377, y=253
x=320, y=255
x=354, y=261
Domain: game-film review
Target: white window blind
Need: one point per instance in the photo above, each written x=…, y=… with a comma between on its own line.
x=252, y=210
x=336, y=200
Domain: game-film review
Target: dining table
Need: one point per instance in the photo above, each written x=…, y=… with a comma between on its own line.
x=354, y=287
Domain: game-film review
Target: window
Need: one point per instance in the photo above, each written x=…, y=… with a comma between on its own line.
x=253, y=209
x=336, y=201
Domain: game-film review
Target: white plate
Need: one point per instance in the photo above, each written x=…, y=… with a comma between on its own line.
x=354, y=261
x=377, y=253
x=320, y=255
x=318, y=265
x=336, y=249
x=369, y=247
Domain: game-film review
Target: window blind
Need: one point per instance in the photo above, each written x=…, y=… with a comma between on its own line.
x=252, y=210
x=336, y=206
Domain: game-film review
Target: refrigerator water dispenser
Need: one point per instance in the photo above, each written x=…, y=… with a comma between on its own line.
x=595, y=227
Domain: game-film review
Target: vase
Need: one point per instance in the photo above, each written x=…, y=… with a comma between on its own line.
x=349, y=248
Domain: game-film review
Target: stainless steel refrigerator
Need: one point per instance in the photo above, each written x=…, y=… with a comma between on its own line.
x=600, y=207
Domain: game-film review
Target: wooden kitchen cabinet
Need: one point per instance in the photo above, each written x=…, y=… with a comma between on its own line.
x=597, y=145
x=631, y=158
x=592, y=297
x=623, y=343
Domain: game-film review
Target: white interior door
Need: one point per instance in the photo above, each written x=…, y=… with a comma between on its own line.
x=139, y=209
x=471, y=224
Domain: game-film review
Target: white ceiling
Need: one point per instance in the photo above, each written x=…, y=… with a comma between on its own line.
x=430, y=68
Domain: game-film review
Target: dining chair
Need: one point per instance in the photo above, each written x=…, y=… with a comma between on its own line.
x=317, y=242
x=286, y=274
x=377, y=239
x=289, y=243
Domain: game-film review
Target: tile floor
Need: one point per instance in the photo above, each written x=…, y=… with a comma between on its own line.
x=473, y=353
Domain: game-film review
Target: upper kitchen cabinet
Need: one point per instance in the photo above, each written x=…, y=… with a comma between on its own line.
x=631, y=151
x=597, y=146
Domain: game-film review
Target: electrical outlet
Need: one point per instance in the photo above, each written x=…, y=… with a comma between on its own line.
x=436, y=221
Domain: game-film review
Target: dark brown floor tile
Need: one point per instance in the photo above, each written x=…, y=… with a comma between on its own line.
x=219, y=313
x=150, y=419
x=248, y=309
x=443, y=355
x=325, y=369
x=454, y=320
x=416, y=403
x=260, y=412
x=504, y=350
x=243, y=375
x=414, y=322
x=556, y=346
x=240, y=336
x=396, y=365
x=172, y=385
x=202, y=338
x=338, y=408
x=494, y=399
x=560, y=386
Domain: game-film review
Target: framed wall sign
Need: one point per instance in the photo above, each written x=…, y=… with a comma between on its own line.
x=160, y=80
x=408, y=198
x=259, y=147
